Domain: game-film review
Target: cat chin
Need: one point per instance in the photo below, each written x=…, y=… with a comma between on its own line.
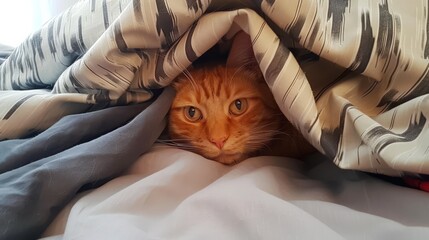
x=230, y=159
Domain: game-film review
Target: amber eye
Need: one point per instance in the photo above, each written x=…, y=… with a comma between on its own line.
x=238, y=106
x=193, y=114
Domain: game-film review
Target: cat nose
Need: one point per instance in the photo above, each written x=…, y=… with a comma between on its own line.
x=219, y=142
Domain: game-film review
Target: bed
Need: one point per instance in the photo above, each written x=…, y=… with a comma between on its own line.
x=84, y=99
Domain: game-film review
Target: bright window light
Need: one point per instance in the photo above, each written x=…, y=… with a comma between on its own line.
x=19, y=18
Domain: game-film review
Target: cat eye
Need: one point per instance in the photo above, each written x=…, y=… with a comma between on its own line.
x=238, y=107
x=193, y=114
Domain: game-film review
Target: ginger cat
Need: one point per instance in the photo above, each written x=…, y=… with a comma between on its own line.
x=227, y=112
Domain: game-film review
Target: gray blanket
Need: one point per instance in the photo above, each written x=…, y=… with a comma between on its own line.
x=40, y=175
x=363, y=103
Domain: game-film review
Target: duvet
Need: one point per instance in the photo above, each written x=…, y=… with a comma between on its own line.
x=85, y=96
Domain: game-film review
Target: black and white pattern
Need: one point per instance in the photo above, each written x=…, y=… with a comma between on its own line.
x=363, y=103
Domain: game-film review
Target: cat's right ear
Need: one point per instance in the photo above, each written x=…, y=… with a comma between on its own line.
x=241, y=52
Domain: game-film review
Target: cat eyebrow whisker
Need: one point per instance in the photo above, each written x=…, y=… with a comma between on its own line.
x=246, y=64
x=191, y=79
x=236, y=72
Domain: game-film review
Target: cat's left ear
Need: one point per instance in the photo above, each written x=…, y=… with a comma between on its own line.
x=241, y=52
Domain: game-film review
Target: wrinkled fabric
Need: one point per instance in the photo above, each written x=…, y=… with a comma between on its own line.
x=173, y=194
x=361, y=99
x=32, y=194
x=362, y=102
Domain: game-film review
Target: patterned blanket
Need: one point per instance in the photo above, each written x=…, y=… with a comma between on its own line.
x=361, y=102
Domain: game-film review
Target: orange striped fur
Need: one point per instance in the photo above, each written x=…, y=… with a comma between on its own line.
x=234, y=114
x=219, y=134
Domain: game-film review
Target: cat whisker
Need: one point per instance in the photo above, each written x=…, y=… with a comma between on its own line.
x=245, y=64
x=184, y=71
x=191, y=79
x=237, y=71
x=267, y=133
x=261, y=138
x=179, y=143
x=171, y=142
x=264, y=126
x=184, y=147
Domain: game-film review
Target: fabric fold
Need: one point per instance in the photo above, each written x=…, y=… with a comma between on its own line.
x=34, y=193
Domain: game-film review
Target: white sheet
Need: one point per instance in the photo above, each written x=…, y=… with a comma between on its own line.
x=174, y=194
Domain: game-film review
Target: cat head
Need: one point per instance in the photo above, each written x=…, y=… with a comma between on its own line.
x=226, y=112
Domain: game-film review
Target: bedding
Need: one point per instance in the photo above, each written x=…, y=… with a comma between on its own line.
x=5, y=51
x=174, y=194
x=86, y=95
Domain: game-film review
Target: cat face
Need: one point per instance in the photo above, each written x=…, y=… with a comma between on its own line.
x=223, y=113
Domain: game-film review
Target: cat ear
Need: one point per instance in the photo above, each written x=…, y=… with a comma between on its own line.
x=241, y=52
